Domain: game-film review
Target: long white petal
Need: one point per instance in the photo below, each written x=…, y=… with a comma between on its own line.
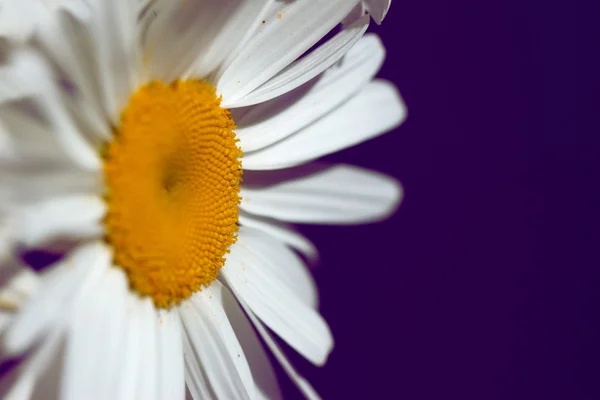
x=341, y=194
x=215, y=346
x=148, y=382
x=267, y=123
x=306, y=68
x=286, y=34
x=131, y=351
x=171, y=377
x=251, y=278
x=376, y=109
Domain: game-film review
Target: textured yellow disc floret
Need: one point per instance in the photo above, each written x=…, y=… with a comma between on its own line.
x=173, y=173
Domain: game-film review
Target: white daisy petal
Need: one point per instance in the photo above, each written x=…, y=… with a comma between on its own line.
x=131, y=351
x=60, y=289
x=378, y=9
x=260, y=366
x=171, y=376
x=284, y=233
x=267, y=123
x=67, y=41
x=299, y=380
x=110, y=26
x=61, y=218
x=279, y=262
x=52, y=125
x=196, y=381
x=341, y=194
x=148, y=368
x=241, y=22
x=215, y=345
x=205, y=31
x=376, y=109
x=250, y=276
x=280, y=40
x=18, y=18
x=358, y=11
x=42, y=361
x=21, y=284
x=306, y=68
x=95, y=332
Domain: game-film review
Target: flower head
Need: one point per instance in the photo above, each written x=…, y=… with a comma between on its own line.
x=143, y=140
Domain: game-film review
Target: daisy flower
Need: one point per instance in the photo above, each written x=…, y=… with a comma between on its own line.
x=125, y=132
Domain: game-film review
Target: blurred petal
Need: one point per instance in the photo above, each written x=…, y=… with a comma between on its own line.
x=60, y=289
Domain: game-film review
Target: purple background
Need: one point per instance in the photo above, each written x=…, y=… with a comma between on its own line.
x=480, y=287
x=483, y=285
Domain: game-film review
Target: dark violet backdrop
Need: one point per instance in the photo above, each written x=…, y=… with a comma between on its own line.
x=480, y=287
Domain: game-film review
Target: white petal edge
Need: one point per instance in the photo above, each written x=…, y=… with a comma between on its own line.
x=378, y=9
x=212, y=342
x=341, y=194
x=376, y=109
x=276, y=305
x=302, y=384
x=285, y=35
x=265, y=124
x=306, y=68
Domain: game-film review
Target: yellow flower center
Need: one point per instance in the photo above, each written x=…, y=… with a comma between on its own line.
x=173, y=173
